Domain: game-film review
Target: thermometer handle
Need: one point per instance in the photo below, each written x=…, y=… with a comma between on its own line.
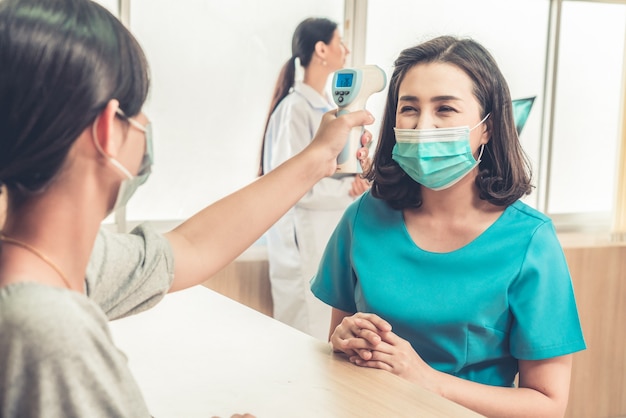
x=346, y=160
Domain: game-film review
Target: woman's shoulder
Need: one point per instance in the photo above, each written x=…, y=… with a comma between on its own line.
x=304, y=99
x=41, y=317
x=367, y=206
x=58, y=342
x=522, y=212
x=293, y=106
x=524, y=224
x=129, y=272
x=312, y=96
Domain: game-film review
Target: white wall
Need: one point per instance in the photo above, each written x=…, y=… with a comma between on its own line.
x=214, y=64
x=214, y=67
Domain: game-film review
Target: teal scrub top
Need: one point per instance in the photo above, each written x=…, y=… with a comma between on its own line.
x=472, y=312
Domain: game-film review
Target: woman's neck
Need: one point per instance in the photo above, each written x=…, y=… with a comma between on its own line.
x=316, y=76
x=50, y=239
x=454, y=201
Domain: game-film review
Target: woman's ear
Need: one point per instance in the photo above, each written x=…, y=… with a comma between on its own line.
x=488, y=129
x=103, y=130
x=320, y=50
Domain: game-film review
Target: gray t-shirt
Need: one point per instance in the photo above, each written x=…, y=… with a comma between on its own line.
x=57, y=357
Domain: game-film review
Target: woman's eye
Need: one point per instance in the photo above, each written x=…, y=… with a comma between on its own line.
x=406, y=109
x=446, y=109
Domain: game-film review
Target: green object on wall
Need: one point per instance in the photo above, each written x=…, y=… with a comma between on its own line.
x=521, y=109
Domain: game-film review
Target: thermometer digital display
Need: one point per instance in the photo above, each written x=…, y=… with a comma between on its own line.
x=344, y=80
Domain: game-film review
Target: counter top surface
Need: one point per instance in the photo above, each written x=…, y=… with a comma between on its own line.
x=201, y=354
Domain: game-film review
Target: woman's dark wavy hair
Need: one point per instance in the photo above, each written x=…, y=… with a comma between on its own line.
x=504, y=172
x=61, y=62
x=307, y=34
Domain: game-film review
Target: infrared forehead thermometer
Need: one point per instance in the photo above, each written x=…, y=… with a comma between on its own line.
x=351, y=89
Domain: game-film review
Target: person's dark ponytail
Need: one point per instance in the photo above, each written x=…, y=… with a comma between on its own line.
x=308, y=33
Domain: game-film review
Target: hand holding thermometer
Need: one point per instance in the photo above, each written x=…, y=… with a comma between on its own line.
x=351, y=89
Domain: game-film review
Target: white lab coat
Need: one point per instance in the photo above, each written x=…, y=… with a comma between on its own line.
x=296, y=242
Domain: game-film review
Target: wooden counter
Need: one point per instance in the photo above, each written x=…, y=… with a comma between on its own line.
x=200, y=354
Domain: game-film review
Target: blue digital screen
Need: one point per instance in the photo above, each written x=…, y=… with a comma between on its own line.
x=344, y=80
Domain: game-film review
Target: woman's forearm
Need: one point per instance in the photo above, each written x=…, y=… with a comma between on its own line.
x=546, y=396
x=215, y=236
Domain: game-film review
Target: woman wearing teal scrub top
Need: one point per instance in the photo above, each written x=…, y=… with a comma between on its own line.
x=440, y=274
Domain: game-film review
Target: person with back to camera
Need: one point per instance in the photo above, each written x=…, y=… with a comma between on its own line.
x=75, y=144
x=296, y=242
x=471, y=286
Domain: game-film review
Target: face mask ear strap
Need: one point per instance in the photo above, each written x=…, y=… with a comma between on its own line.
x=481, y=122
x=480, y=155
x=94, y=135
x=112, y=160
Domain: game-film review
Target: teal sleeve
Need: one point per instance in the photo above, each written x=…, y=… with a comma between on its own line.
x=335, y=281
x=545, y=317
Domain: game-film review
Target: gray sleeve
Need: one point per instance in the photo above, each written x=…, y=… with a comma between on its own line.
x=129, y=273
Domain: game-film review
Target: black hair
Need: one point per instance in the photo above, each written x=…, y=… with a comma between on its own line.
x=504, y=171
x=307, y=34
x=61, y=62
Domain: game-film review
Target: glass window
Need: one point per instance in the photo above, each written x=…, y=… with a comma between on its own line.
x=587, y=119
x=214, y=66
x=514, y=31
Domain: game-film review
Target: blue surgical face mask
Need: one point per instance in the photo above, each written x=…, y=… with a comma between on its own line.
x=436, y=158
x=131, y=183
